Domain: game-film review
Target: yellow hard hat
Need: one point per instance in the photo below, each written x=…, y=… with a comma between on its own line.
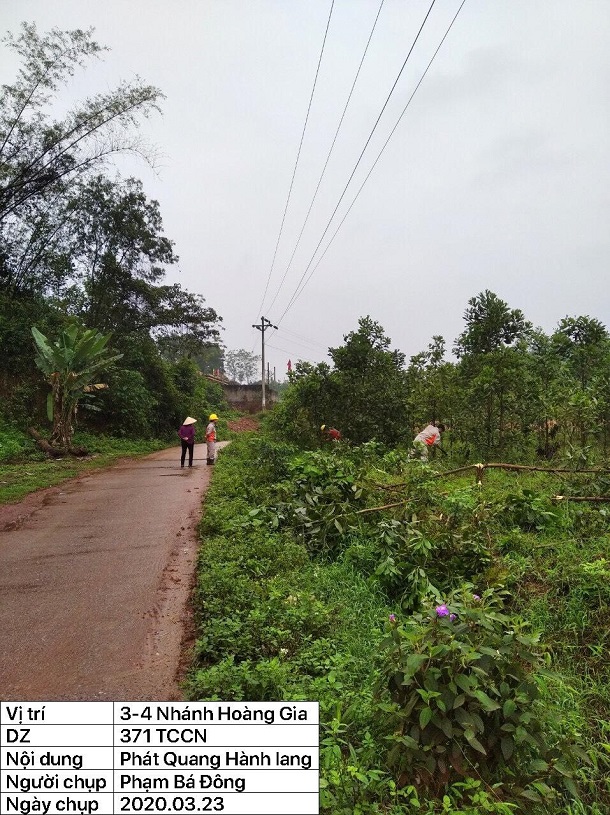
x=213, y=417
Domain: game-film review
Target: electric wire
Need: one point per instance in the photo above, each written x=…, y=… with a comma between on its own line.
x=307, y=347
x=385, y=104
x=296, y=164
x=275, y=348
x=303, y=342
x=288, y=335
x=298, y=292
x=304, y=339
x=332, y=146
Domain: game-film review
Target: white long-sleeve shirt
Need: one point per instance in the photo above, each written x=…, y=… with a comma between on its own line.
x=430, y=435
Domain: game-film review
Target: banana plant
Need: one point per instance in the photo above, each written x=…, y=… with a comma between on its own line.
x=69, y=365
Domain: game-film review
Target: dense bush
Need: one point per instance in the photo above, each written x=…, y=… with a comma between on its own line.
x=462, y=679
x=305, y=556
x=13, y=445
x=364, y=394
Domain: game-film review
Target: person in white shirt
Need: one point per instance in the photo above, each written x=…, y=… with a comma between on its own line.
x=210, y=438
x=429, y=437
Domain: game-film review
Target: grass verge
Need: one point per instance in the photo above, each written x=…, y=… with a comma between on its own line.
x=28, y=470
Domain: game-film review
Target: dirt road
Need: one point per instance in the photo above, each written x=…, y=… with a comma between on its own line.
x=95, y=577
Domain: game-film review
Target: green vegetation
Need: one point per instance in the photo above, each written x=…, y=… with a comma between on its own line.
x=452, y=625
x=24, y=469
x=514, y=393
x=455, y=640
x=454, y=632
x=83, y=258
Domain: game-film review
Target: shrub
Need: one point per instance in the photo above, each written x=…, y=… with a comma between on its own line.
x=463, y=691
x=261, y=680
x=13, y=445
x=127, y=407
x=529, y=511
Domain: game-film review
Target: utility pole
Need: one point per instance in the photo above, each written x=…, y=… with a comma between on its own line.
x=265, y=323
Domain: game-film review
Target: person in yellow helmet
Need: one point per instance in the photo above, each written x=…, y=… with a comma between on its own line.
x=210, y=438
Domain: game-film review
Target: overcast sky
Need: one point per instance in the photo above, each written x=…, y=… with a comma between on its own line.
x=497, y=176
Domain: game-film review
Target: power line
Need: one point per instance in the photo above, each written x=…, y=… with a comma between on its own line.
x=297, y=292
x=332, y=146
x=302, y=338
x=364, y=148
x=308, y=347
x=305, y=341
x=276, y=348
x=296, y=164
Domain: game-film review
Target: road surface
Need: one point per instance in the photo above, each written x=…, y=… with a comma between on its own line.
x=95, y=579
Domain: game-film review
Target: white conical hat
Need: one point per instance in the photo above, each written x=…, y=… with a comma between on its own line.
x=189, y=420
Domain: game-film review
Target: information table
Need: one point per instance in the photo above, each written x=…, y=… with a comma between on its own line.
x=239, y=758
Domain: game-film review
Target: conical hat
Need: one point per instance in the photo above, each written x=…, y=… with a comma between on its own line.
x=189, y=420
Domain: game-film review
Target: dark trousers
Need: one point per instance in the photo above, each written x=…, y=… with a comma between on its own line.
x=187, y=446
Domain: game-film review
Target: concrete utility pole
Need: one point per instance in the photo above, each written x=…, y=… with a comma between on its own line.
x=265, y=323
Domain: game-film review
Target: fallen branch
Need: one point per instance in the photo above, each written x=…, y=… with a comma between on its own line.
x=44, y=445
x=56, y=452
x=480, y=468
x=377, y=509
x=542, y=469
x=599, y=498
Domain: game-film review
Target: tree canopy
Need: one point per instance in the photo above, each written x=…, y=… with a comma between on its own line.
x=80, y=246
x=364, y=395
x=39, y=155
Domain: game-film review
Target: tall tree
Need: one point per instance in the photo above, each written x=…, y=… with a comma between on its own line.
x=491, y=360
x=116, y=257
x=584, y=345
x=39, y=154
x=430, y=386
x=365, y=394
x=41, y=157
x=117, y=250
x=547, y=387
x=372, y=384
x=490, y=325
x=584, y=342
x=241, y=365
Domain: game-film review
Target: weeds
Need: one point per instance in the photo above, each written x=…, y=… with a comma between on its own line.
x=308, y=556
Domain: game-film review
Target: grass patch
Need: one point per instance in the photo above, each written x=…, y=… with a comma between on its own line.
x=26, y=469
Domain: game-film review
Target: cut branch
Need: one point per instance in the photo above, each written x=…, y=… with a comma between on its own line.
x=56, y=452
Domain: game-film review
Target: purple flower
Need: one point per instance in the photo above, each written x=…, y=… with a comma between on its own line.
x=393, y=618
x=475, y=597
x=453, y=617
x=442, y=611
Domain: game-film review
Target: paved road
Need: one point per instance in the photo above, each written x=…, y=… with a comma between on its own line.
x=94, y=582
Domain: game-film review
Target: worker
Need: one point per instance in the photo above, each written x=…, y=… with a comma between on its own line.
x=330, y=433
x=210, y=438
x=429, y=437
x=187, y=439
